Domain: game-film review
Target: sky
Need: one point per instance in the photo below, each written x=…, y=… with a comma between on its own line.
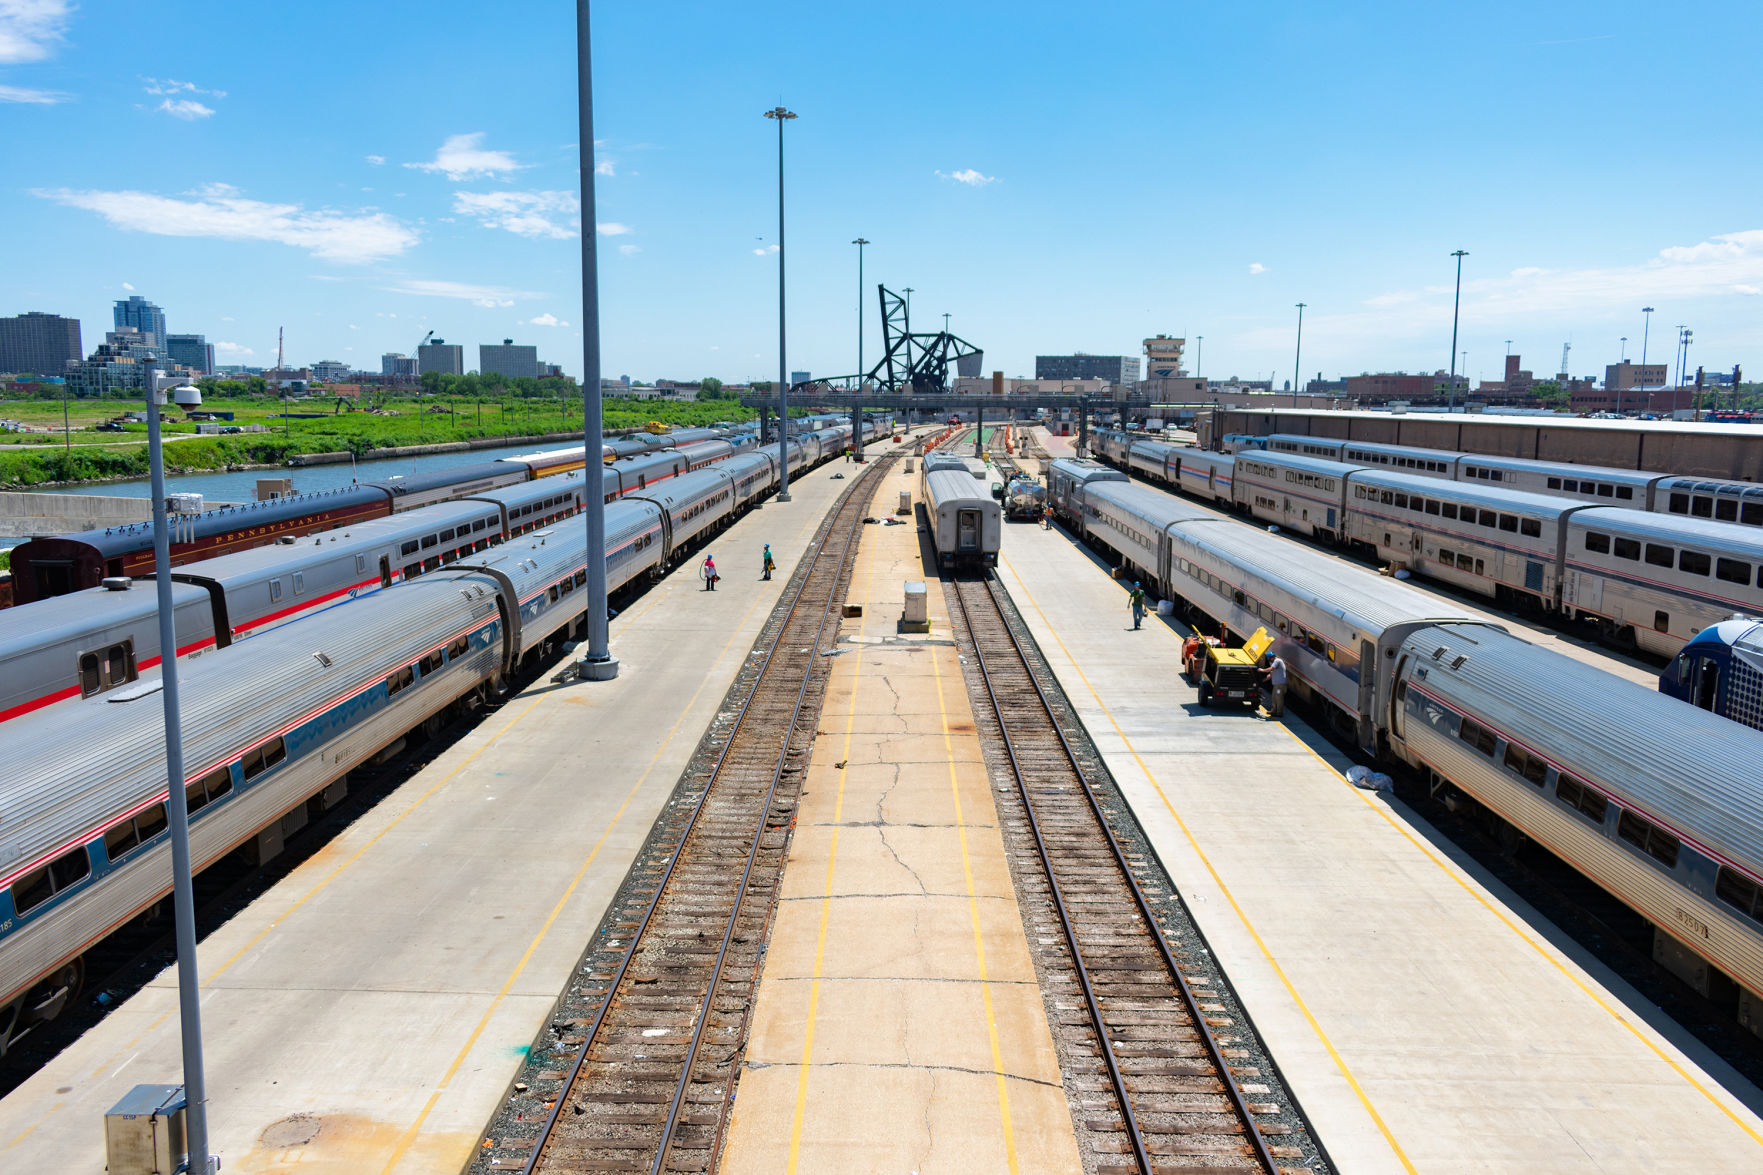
x=1055, y=177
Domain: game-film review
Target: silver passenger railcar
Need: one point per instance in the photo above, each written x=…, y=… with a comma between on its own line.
x=1066, y=479
x=966, y=523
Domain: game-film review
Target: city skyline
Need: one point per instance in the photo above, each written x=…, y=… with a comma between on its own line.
x=1053, y=217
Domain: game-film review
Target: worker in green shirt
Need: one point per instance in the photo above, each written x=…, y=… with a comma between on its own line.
x=1136, y=598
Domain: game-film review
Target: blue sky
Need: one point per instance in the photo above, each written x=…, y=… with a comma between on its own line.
x=1056, y=177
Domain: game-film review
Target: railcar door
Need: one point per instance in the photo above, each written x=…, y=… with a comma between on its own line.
x=967, y=532
x=1705, y=692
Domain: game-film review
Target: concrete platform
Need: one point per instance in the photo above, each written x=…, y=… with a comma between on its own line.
x=367, y=1013
x=899, y=1025
x=1426, y=1018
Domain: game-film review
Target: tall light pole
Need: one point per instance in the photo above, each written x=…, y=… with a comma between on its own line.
x=945, y=324
x=1200, y=359
x=597, y=663
x=860, y=242
x=1620, y=379
x=1623, y=356
x=1456, y=302
x=177, y=806
x=1683, y=346
x=783, y=383
x=1298, y=355
x=1646, y=326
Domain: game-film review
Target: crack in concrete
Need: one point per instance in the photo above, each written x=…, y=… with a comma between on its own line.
x=882, y=833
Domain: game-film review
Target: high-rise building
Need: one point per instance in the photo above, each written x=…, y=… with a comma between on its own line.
x=397, y=366
x=1626, y=375
x=801, y=377
x=1114, y=369
x=193, y=351
x=1163, y=357
x=442, y=356
x=510, y=359
x=143, y=316
x=120, y=363
x=330, y=371
x=39, y=343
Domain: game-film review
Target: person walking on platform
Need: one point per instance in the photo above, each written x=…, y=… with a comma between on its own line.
x=1275, y=676
x=766, y=562
x=1136, y=598
x=708, y=571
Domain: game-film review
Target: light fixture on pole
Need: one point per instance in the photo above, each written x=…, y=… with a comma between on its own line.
x=860, y=242
x=597, y=662
x=1646, y=327
x=783, y=384
x=177, y=807
x=1298, y=355
x=1456, y=302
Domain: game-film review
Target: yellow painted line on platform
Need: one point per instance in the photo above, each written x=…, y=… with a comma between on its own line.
x=1475, y=891
x=415, y=1127
x=832, y=857
x=1242, y=916
x=979, y=946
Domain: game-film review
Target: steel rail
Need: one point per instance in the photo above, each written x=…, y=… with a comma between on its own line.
x=698, y=807
x=1147, y=916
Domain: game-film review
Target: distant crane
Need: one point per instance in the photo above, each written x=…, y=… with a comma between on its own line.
x=1565, y=348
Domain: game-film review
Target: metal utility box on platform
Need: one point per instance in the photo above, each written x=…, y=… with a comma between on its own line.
x=144, y=1133
x=916, y=617
x=905, y=506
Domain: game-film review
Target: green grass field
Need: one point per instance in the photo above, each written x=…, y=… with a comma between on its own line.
x=88, y=453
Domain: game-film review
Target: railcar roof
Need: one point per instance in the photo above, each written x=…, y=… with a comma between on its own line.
x=1675, y=528
x=45, y=622
x=1686, y=766
x=1159, y=509
x=1485, y=496
x=114, y=540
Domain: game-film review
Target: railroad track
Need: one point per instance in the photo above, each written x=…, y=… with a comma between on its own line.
x=652, y=1079
x=1169, y=1099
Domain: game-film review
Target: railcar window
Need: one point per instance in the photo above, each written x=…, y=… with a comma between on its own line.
x=1554, y=483
x=124, y=835
x=1509, y=522
x=459, y=648
x=1626, y=493
x=1693, y=562
x=412, y=571
x=430, y=541
x=1649, y=837
x=430, y=663
x=408, y=548
x=1680, y=503
x=1570, y=485
x=209, y=788
x=275, y=590
x=262, y=758
x=1605, y=489
x=1488, y=519
x=1628, y=549
x=1701, y=507
x=1580, y=798
x=1752, y=514
x=1662, y=622
x=1401, y=501
x=1531, y=528
x=1526, y=764
x=1477, y=736
x=1726, y=510
x=1449, y=509
x=1660, y=556
x=1597, y=543
x=39, y=885
x=1432, y=506
x=399, y=680
x=1739, y=892
x=1732, y=570
x=553, y=593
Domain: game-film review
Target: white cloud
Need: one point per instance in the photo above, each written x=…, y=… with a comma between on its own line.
x=489, y=296
x=1257, y=267
x=763, y=252
x=31, y=97
x=606, y=167
x=969, y=176
x=233, y=349
x=352, y=326
x=173, y=87
x=375, y=160
x=1746, y=289
x=223, y=318
x=630, y=250
x=461, y=157
x=223, y=215
x=611, y=228
x=546, y=320
x=526, y=214
x=29, y=29
x=187, y=109
x=127, y=286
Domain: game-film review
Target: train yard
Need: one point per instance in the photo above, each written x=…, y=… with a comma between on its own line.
x=919, y=857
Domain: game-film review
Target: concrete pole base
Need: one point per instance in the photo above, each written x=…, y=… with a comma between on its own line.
x=606, y=670
x=783, y=497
